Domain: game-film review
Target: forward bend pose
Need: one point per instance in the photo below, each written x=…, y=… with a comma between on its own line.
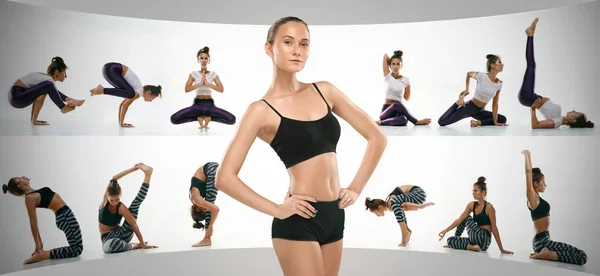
x=203, y=110
x=203, y=195
x=543, y=246
x=297, y=120
x=46, y=198
x=402, y=199
x=480, y=226
x=34, y=87
x=393, y=112
x=488, y=88
x=127, y=85
x=116, y=238
x=551, y=111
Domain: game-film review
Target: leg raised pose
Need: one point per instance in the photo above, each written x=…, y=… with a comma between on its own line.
x=203, y=195
x=298, y=121
x=115, y=237
x=401, y=199
x=46, y=198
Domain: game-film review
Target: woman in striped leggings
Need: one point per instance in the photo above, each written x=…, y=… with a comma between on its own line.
x=479, y=227
x=65, y=219
x=544, y=248
x=401, y=199
x=116, y=238
x=203, y=195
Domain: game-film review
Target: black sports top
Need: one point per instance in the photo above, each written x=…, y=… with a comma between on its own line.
x=200, y=185
x=296, y=141
x=107, y=218
x=541, y=211
x=46, y=196
x=482, y=218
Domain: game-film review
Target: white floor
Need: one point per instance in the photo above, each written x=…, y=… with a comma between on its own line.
x=77, y=128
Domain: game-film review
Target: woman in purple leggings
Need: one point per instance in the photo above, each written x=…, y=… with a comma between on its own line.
x=551, y=111
x=127, y=85
x=393, y=112
x=203, y=109
x=34, y=87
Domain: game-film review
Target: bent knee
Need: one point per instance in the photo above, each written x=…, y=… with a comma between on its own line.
x=502, y=119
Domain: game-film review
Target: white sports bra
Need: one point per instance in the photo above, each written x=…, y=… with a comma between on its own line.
x=395, y=87
x=35, y=78
x=552, y=111
x=486, y=89
x=203, y=90
x=134, y=81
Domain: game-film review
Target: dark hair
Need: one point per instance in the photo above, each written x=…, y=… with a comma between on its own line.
x=204, y=50
x=197, y=217
x=481, y=185
x=373, y=204
x=275, y=27
x=491, y=59
x=154, y=90
x=397, y=55
x=536, y=175
x=57, y=64
x=580, y=122
x=113, y=188
x=13, y=187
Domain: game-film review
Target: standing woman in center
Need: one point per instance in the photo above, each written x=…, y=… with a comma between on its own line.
x=297, y=120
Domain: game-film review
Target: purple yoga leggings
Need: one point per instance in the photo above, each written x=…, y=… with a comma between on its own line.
x=456, y=113
x=396, y=115
x=112, y=73
x=20, y=97
x=526, y=95
x=202, y=108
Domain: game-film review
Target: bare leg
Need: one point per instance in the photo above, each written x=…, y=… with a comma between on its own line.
x=475, y=123
x=35, y=110
x=206, y=121
x=299, y=258
x=405, y=234
x=332, y=257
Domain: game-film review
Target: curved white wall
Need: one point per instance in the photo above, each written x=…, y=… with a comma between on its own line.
x=437, y=56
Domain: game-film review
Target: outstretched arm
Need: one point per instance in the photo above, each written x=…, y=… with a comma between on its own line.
x=491, y=212
x=123, y=211
x=125, y=172
x=30, y=203
x=458, y=221
x=362, y=123
x=532, y=198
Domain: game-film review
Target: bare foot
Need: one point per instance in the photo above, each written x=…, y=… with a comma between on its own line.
x=74, y=102
x=40, y=123
x=424, y=122
x=66, y=109
x=475, y=248
x=531, y=29
x=127, y=125
x=202, y=243
x=545, y=254
x=427, y=204
x=36, y=257
x=98, y=90
x=446, y=246
x=475, y=123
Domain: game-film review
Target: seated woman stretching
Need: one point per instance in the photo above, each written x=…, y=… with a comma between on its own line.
x=116, y=238
x=544, y=248
x=203, y=195
x=551, y=111
x=479, y=227
x=401, y=199
x=46, y=198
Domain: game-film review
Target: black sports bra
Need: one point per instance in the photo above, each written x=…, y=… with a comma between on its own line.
x=482, y=218
x=296, y=141
x=107, y=218
x=198, y=184
x=46, y=196
x=541, y=211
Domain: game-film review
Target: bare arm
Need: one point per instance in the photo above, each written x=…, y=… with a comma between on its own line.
x=218, y=86
x=386, y=64
x=495, y=107
x=190, y=86
x=532, y=197
x=125, y=106
x=535, y=124
x=362, y=123
x=124, y=173
x=491, y=212
x=199, y=201
x=407, y=93
x=468, y=79
x=460, y=219
x=30, y=203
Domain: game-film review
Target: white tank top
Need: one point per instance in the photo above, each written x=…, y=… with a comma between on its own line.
x=395, y=87
x=134, y=81
x=552, y=111
x=203, y=90
x=34, y=78
x=486, y=89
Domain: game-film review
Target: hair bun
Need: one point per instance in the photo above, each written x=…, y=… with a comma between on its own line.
x=489, y=56
x=398, y=53
x=589, y=124
x=58, y=60
x=536, y=170
x=4, y=188
x=481, y=179
x=206, y=49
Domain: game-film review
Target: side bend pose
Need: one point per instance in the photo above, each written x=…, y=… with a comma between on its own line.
x=488, y=88
x=479, y=227
x=543, y=246
x=116, y=238
x=127, y=85
x=297, y=120
x=46, y=198
x=402, y=199
x=34, y=87
x=552, y=112
x=203, y=110
x=203, y=195
x=393, y=112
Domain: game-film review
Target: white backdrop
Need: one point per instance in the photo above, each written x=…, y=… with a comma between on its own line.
x=437, y=57
x=79, y=169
